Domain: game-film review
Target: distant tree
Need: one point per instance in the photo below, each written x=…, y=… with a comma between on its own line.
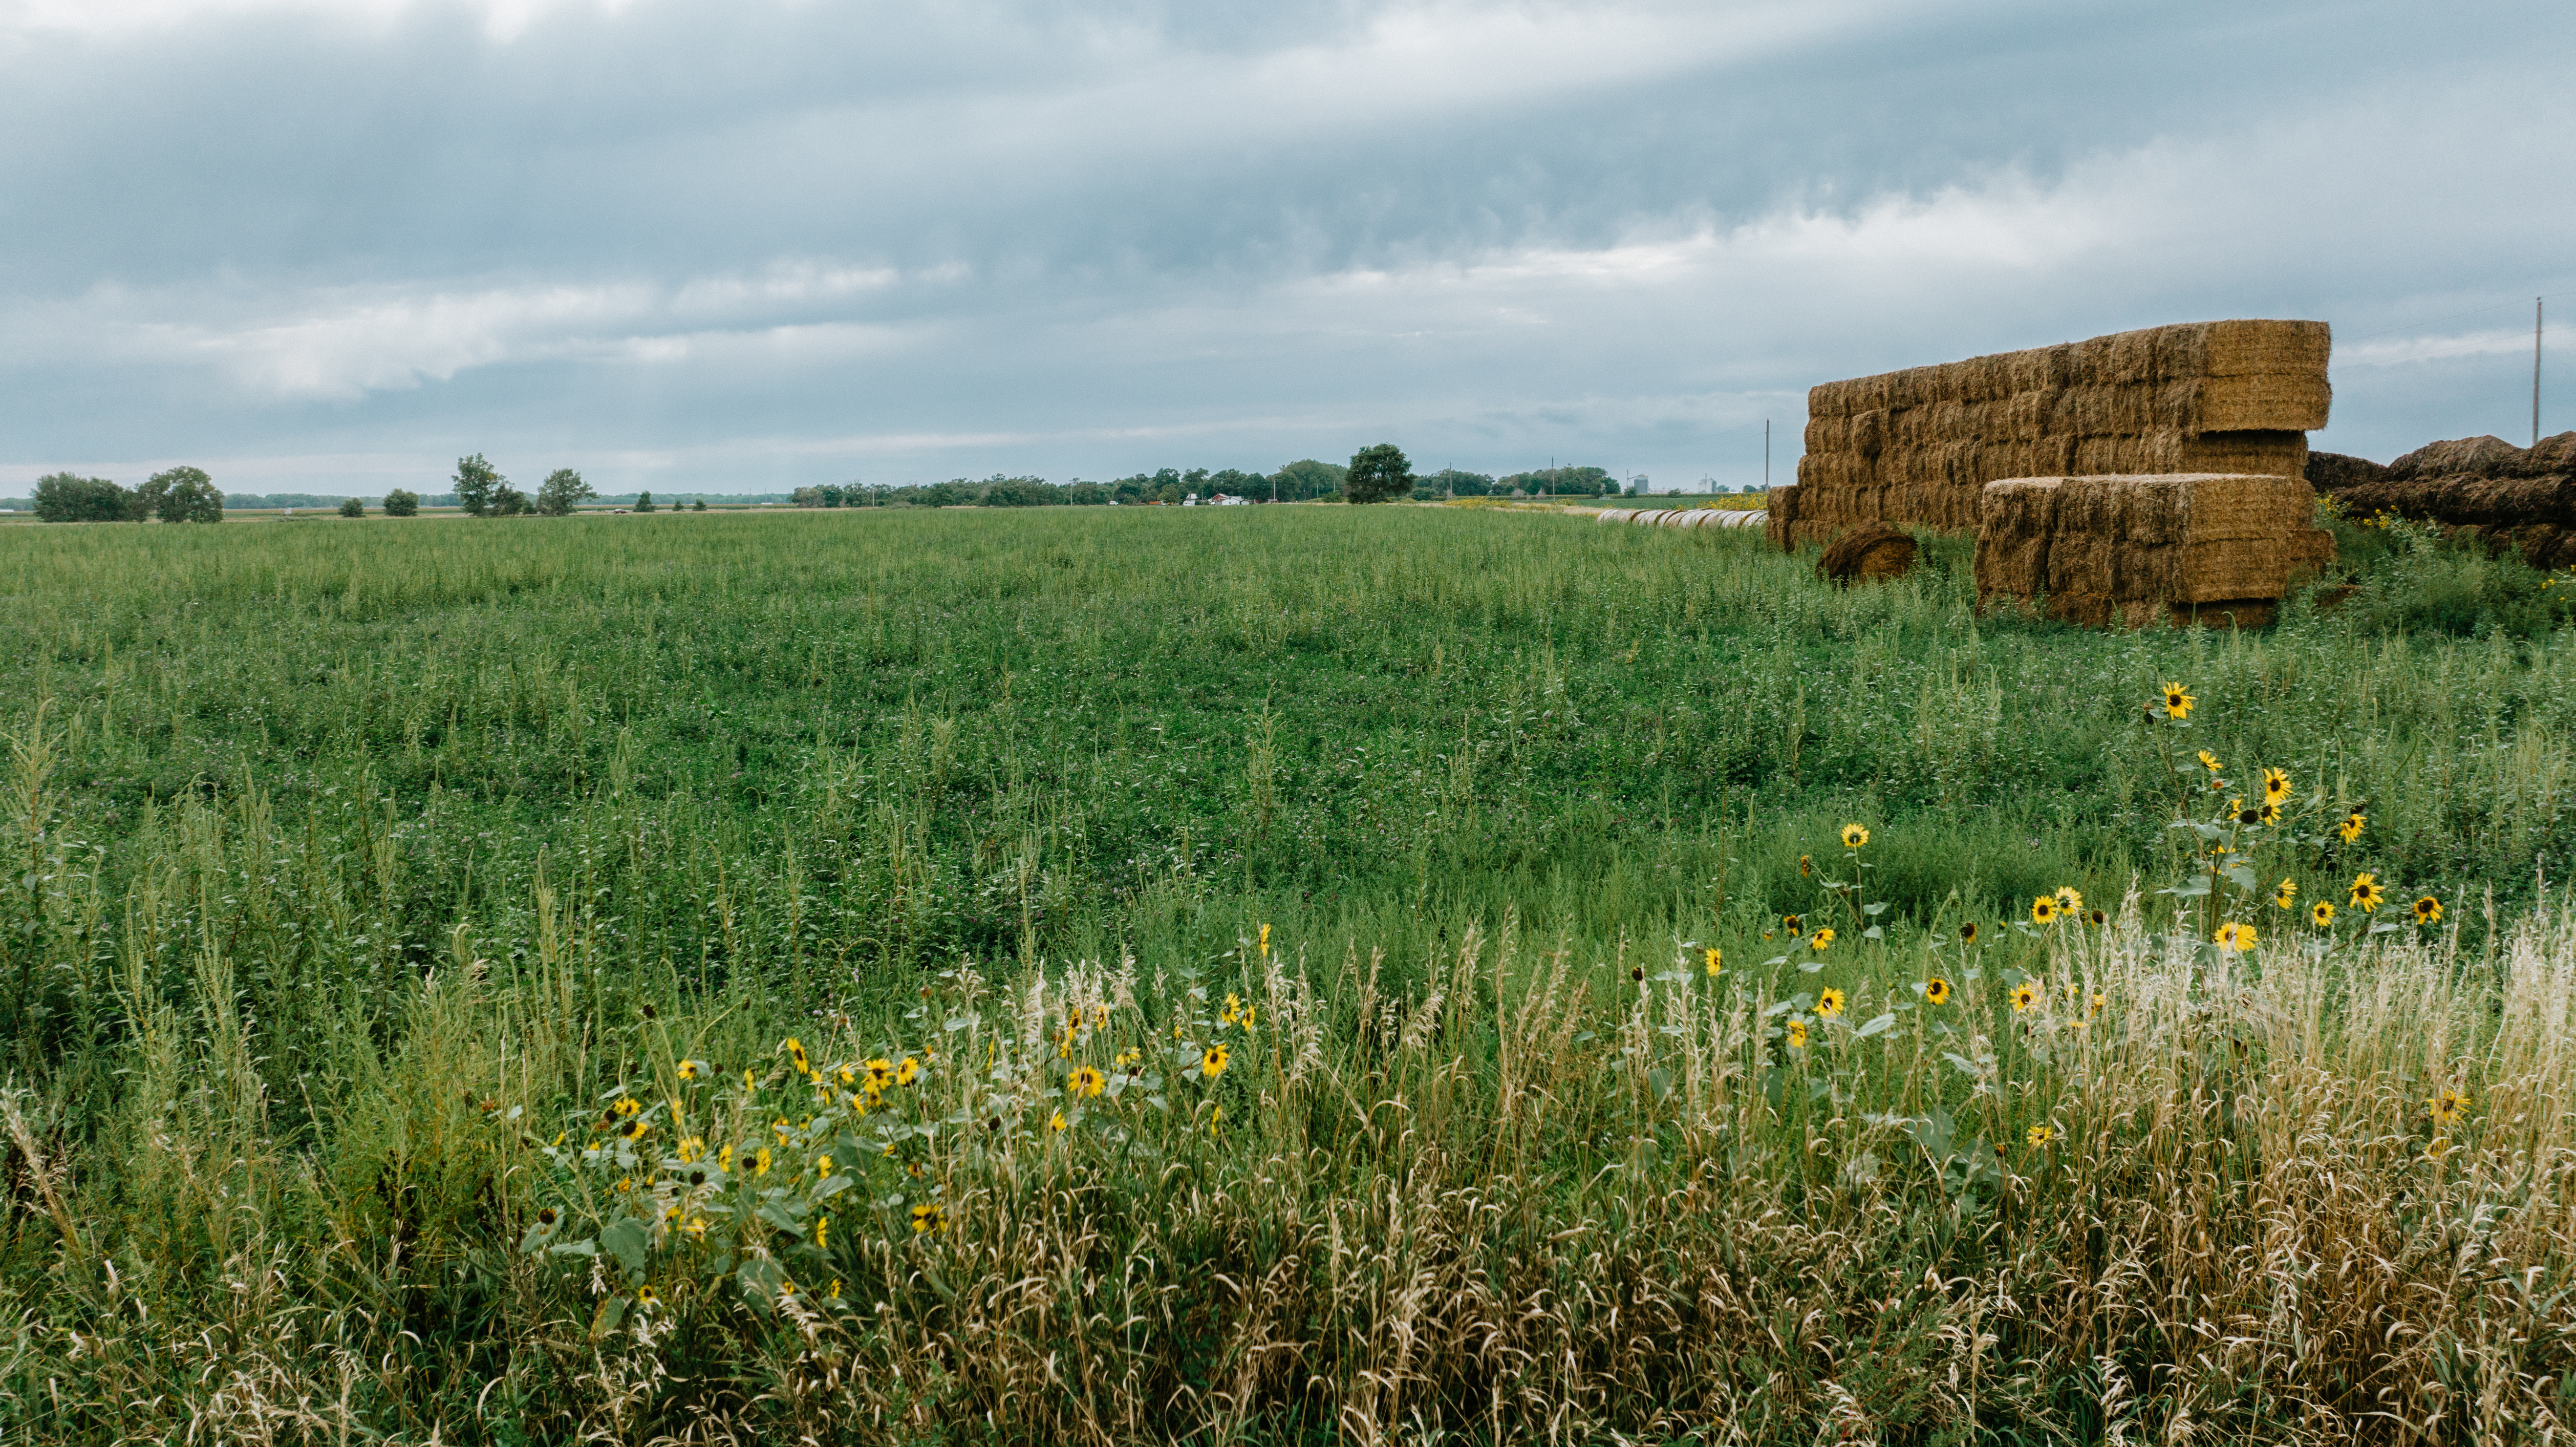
x=401, y=503
x=1307, y=478
x=1020, y=492
x=1450, y=482
x=1169, y=492
x=476, y=483
x=1378, y=474
x=352, y=508
x=1236, y=483
x=182, y=495
x=806, y=497
x=508, y=501
x=699, y=506
x=561, y=492
x=65, y=498
x=643, y=502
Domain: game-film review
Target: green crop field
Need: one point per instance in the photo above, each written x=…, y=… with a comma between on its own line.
x=1266, y=974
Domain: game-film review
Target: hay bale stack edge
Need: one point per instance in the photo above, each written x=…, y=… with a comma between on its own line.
x=2139, y=550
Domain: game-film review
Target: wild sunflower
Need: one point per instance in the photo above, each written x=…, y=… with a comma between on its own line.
x=760, y=1161
x=2276, y=786
x=2367, y=892
x=929, y=1218
x=823, y=1232
x=1823, y=940
x=2268, y=814
x=846, y=1073
x=1936, y=991
x=2243, y=813
x=2068, y=901
x=2285, y=895
x=1968, y=932
x=2038, y=1135
x=1265, y=942
x=1055, y=1122
x=1714, y=958
x=2209, y=761
x=2428, y=910
x=796, y=1056
x=908, y=1072
x=1806, y=867
x=822, y=1167
x=627, y=1105
x=1087, y=1082
x=880, y=1074
x=2350, y=828
x=2043, y=910
x=2024, y=995
x=1854, y=836
x=1212, y=1064
x=1232, y=1012
x=2321, y=913
x=1830, y=1003
x=635, y=1130
x=548, y=1218
x=2097, y=919
x=749, y=1081
x=2178, y=702
x=2448, y=1105
x=1792, y=924
x=2235, y=937
x=1797, y=1034
x=691, y=1070
x=646, y=1298
x=2098, y=1002
x=692, y=1149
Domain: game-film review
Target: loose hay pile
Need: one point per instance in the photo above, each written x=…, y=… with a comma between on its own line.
x=1918, y=446
x=2189, y=547
x=2505, y=495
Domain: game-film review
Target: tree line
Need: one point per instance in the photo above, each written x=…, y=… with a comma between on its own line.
x=1383, y=475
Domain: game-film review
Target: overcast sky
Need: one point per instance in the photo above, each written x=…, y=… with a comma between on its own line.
x=741, y=245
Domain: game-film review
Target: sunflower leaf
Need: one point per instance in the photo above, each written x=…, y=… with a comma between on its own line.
x=1875, y=1026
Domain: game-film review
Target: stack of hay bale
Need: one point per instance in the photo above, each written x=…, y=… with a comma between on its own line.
x=2506, y=496
x=2179, y=547
x=2131, y=478
x=1918, y=446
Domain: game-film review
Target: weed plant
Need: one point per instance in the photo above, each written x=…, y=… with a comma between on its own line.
x=1260, y=975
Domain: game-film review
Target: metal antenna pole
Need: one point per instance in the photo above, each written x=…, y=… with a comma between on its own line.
x=1766, y=454
x=2535, y=371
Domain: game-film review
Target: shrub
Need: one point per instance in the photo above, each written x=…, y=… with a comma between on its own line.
x=401, y=503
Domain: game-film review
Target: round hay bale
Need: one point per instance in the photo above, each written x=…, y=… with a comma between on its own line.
x=1872, y=550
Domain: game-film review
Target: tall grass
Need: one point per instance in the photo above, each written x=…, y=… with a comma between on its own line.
x=350, y=864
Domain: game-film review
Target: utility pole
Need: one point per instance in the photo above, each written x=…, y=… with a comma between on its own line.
x=2535, y=371
x=1766, y=454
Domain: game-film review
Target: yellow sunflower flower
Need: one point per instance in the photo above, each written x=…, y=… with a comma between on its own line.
x=2235, y=937
x=2024, y=995
x=2285, y=895
x=2428, y=910
x=2178, y=702
x=1936, y=991
x=1830, y=1003
x=2321, y=913
x=2350, y=828
x=929, y=1218
x=1212, y=1064
x=2068, y=901
x=2043, y=910
x=1086, y=1083
x=2209, y=761
x=2276, y=786
x=2448, y=1105
x=1797, y=1034
x=1715, y=959
x=1822, y=941
x=2367, y=892
x=1854, y=836
x=2038, y=1135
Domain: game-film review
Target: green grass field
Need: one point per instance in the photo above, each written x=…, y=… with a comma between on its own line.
x=406, y=922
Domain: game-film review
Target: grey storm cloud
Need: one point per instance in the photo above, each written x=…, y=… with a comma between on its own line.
x=746, y=245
